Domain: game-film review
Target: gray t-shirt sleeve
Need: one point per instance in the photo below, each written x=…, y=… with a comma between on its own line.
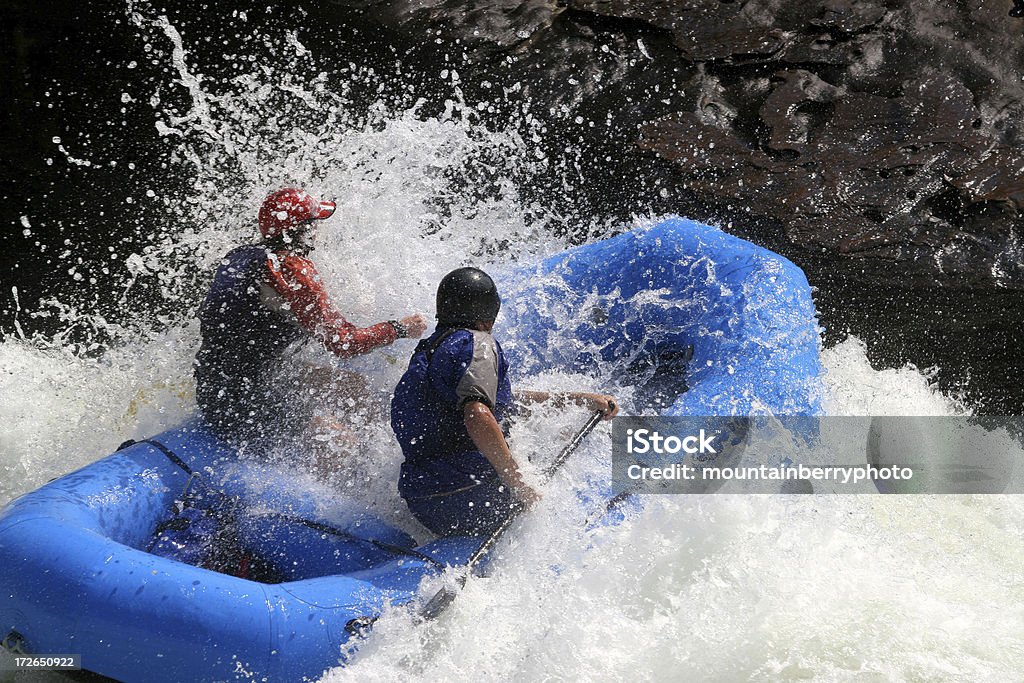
x=480, y=381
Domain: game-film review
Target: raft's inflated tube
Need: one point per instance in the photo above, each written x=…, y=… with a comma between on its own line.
x=653, y=293
x=75, y=580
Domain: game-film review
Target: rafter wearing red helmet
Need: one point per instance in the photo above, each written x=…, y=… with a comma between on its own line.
x=264, y=299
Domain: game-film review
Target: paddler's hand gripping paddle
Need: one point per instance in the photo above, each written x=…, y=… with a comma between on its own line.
x=444, y=597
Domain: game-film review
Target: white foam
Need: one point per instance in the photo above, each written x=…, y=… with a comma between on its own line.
x=704, y=588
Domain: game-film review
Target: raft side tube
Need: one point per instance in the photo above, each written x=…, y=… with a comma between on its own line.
x=72, y=582
x=649, y=293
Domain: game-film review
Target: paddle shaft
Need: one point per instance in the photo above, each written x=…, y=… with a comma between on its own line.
x=446, y=596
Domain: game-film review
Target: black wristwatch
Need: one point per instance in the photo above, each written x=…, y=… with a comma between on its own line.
x=401, y=331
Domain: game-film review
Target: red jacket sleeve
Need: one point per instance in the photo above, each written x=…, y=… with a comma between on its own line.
x=298, y=282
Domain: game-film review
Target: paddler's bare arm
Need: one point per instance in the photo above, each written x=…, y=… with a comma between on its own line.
x=603, y=402
x=487, y=437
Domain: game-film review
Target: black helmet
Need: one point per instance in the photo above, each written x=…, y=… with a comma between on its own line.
x=465, y=296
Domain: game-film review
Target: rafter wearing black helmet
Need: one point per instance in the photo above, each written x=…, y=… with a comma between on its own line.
x=459, y=476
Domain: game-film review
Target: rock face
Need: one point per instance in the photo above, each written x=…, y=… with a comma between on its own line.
x=885, y=134
x=877, y=143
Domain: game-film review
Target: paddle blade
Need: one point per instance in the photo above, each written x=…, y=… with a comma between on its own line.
x=438, y=604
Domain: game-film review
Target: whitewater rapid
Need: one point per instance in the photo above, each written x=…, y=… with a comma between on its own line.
x=708, y=588
x=719, y=588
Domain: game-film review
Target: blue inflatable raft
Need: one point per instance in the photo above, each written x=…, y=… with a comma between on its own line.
x=78, y=571
x=640, y=301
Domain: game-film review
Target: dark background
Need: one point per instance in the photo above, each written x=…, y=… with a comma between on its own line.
x=64, y=65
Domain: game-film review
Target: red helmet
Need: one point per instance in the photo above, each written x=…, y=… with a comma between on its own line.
x=288, y=209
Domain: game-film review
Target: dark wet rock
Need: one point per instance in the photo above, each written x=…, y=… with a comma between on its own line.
x=703, y=30
x=998, y=180
x=849, y=16
x=878, y=143
x=493, y=25
x=881, y=131
x=862, y=175
x=795, y=108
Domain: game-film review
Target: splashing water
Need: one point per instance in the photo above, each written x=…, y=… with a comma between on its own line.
x=714, y=588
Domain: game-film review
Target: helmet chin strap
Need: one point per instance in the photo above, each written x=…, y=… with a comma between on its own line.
x=301, y=243
x=298, y=242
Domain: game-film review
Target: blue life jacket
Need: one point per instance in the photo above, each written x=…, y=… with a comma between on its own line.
x=447, y=370
x=243, y=337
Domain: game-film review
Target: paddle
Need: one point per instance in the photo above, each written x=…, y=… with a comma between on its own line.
x=446, y=595
x=360, y=626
